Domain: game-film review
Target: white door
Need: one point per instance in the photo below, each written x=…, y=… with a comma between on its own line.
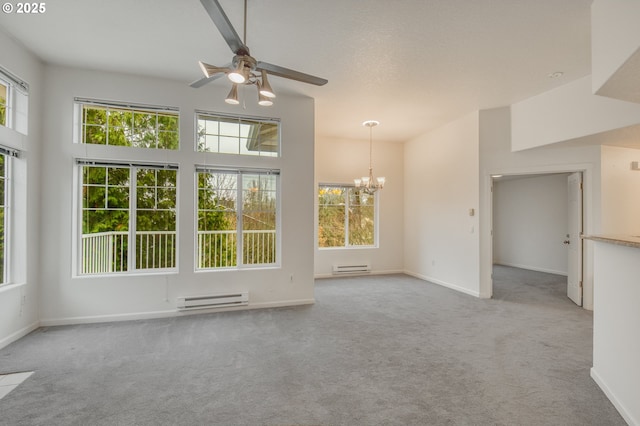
x=573, y=241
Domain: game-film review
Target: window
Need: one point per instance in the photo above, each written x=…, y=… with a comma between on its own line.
x=346, y=217
x=234, y=135
x=237, y=218
x=14, y=102
x=7, y=155
x=4, y=95
x=124, y=125
x=128, y=217
x=3, y=217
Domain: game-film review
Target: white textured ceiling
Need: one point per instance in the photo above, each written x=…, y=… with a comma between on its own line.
x=411, y=64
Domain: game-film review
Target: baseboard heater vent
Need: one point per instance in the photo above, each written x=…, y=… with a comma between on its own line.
x=213, y=301
x=351, y=269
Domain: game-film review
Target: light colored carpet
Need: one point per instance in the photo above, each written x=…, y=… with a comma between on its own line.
x=379, y=350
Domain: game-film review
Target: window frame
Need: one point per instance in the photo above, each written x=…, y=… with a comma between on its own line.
x=347, y=196
x=203, y=115
x=158, y=110
x=7, y=103
x=6, y=225
x=16, y=102
x=239, y=212
x=132, y=209
x=9, y=154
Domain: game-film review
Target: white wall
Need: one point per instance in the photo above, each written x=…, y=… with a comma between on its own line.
x=530, y=223
x=19, y=301
x=567, y=112
x=80, y=299
x=616, y=321
x=496, y=157
x=615, y=37
x=340, y=161
x=441, y=185
x=620, y=191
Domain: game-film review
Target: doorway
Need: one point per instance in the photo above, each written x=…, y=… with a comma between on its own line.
x=537, y=225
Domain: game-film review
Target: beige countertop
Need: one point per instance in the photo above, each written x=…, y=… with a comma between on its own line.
x=621, y=240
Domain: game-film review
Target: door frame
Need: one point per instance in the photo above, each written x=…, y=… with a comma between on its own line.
x=486, y=224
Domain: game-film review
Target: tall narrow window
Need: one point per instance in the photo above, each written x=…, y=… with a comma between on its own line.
x=237, y=218
x=4, y=92
x=14, y=102
x=237, y=135
x=123, y=125
x=128, y=217
x=3, y=218
x=346, y=217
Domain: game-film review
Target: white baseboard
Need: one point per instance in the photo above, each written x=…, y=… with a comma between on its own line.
x=532, y=268
x=359, y=274
x=18, y=334
x=265, y=305
x=444, y=284
x=49, y=322
x=626, y=415
x=167, y=314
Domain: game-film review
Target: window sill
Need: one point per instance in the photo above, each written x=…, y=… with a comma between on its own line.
x=11, y=286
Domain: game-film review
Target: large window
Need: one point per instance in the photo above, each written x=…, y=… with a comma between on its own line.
x=132, y=126
x=237, y=218
x=237, y=135
x=346, y=217
x=128, y=217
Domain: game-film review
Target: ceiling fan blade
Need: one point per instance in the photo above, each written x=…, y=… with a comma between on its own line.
x=205, y=80
x=219, y=18
x=210, y=70
x=291, y=74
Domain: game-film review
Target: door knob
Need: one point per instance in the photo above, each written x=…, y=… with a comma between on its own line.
x=566, y=242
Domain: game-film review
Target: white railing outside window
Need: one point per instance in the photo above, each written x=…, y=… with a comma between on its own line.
x=106, y=252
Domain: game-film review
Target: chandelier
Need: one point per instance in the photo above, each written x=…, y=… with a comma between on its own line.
x=367, y=183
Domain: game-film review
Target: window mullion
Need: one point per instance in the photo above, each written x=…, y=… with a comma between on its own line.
x=6, y=258
x=239, y=222
x=133, y=208
x=346, y=217
x=107, y=128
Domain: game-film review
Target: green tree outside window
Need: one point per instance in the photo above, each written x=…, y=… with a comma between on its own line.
x=346, y=217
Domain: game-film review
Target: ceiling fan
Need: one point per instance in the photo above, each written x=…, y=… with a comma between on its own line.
x=243, y=67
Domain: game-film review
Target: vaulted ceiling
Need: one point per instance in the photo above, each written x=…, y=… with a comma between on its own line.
x=411, y=64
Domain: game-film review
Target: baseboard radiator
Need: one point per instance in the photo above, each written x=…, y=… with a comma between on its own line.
x=351, y=269
x=213, y=301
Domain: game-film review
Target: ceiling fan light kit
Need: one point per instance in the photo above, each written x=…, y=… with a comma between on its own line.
x=263, y=100
x=265, y=87
x=232, y=97
x=238, y=75
x=243, y=68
